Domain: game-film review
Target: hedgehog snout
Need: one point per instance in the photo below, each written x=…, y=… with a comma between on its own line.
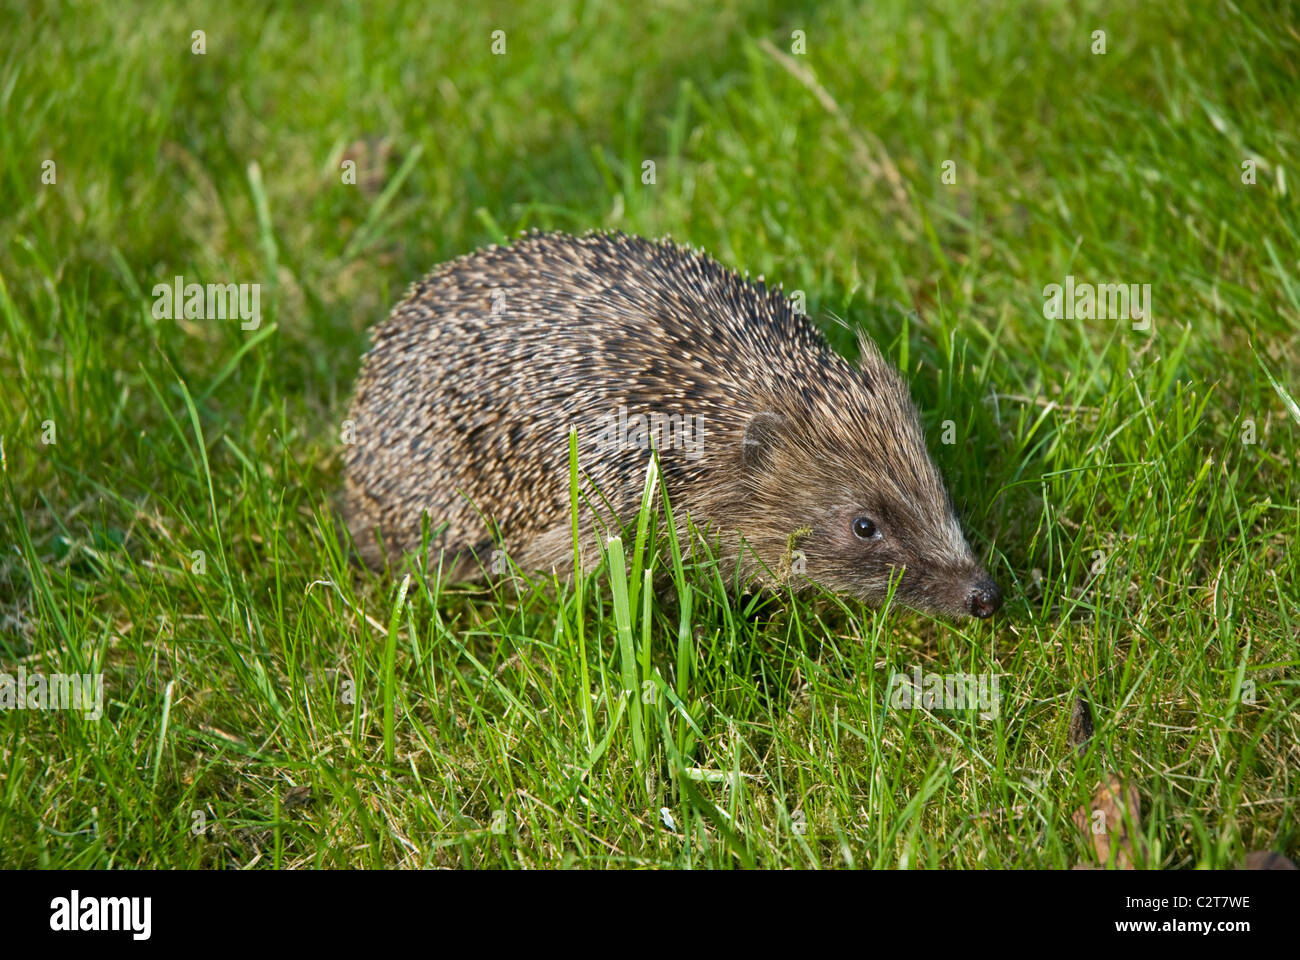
x=984, y=599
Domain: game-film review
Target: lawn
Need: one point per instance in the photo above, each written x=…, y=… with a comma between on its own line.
x=171, y=484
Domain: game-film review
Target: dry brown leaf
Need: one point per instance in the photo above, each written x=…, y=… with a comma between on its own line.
x=297, y=797
x=1267, y=860
x=1113, y=822
x=1080, y=725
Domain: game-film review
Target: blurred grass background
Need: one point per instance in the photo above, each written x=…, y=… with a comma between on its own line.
x=1147, y=549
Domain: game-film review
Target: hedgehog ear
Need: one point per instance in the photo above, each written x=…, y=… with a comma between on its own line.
x=761, y=436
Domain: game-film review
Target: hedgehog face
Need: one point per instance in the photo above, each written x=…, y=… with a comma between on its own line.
x=862, y=515
x=861, y=545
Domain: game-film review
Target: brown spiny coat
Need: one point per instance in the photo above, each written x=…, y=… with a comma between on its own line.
x=466, y=398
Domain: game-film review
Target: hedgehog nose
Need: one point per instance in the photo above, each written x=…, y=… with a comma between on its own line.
x=984, y=599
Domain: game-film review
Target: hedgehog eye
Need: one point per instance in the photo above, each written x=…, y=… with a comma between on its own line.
x=864, y=528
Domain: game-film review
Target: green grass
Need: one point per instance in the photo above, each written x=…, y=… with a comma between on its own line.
x=180, y=536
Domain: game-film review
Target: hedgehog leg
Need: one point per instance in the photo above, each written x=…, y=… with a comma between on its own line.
x=363, y=525
x=469, y=564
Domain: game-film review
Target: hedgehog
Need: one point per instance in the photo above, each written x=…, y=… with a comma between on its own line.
x=803, y=469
